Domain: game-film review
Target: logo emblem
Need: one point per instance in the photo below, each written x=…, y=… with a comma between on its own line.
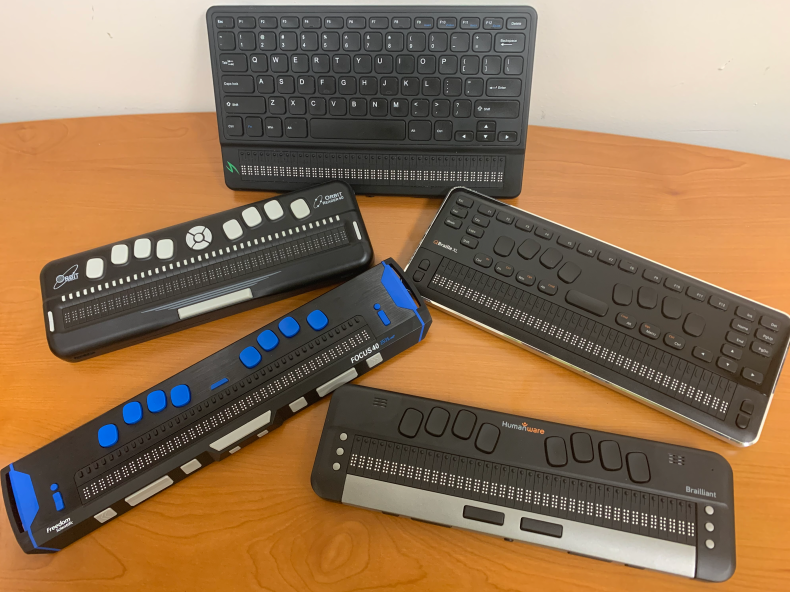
x=68, y=276
x=327, y=199
x=231, y=168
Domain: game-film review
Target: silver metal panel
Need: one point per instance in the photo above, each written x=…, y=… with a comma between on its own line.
x=149, y=491
x=241, y=432
x=200, y=308
x=584, y=539
x=336, y=382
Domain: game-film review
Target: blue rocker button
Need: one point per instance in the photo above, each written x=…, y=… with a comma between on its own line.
x=384, y=318
x=132, y=413
x=289, y=327
x=317, y=320
x=58, y=499
x=180, y=395
x=108, y=435
x=268, y=340
x=156, y=401
x=250, y=357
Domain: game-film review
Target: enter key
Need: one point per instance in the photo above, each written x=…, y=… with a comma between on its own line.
x=503, y=87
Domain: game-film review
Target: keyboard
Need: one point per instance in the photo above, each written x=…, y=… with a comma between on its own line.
x=391, y=99
x=185, y=275
x=211, y=410
x=698, y=352
x=643, y=503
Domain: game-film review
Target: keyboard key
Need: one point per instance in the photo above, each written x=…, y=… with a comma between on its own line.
x=525, y=278
x=504, y=269
x=651, y=276
x=647, y=297
x=547, y=287
x=727, y=364
x=569, y=272
x=505, y=218
x=356, y=22
x=516, y=23
x=566, y=242
x=586, y=250
x=483, y=260
x=379, y=22
x=674, y=341
x=401, y=22
x=718, y=302
x=671, y=308
x=514, y=65
x=694, y=324
x=627, y=266
x=508, y=137
x=491, y=64
x=731, y=351
x=497, y=109
x=233, y=62
x=481, y=221
x=335, y=129
x=289, y=22
x=274, y=127
x=741, y=326
x=766, y=336
x=493, y=23
x=464, y=136
x=509, y=42
x=673, y=284
x=233, y=126
x=736, y=338
x=288, y=41
x=504, y=246
x=752, y=376
x=311, y=22
x=585, y=302
x=622, y=295
x=702, y=354
x=423, y=23
x=649, y=330
x=695, y=293
x=625, y=320
x=475, y=232
x=769, y=323
x=443, y=130
x=503, y=87
x=245, y=105
x=224, y=22
x=606, y=257
x=742, y=421
x=528, y=249
x=226, y=40
x=267, y=22
x=247, y=41
x=253, y=127
x=481, y=43
x=446, y=22
x=420, y=130
x=544, y=232
x=746, y=313
x=550, y=258
x=524, y=225
x=466, y=202
x=486, y=210
x=453, y=222
x=237, y=84
x=762, y=349
x=469, y=241
x=296, y=128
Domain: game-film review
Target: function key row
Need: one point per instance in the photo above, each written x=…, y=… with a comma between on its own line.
x=375, y=22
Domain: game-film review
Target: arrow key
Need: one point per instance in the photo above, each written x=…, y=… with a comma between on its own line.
x=486, y=126
x=508, y=136
x=461, y=136
x=485, y=136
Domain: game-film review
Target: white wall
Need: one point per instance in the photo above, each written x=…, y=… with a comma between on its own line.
x=710, y=72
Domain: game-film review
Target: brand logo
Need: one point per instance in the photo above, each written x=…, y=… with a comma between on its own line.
x=700, y=491
x=523, y=427
x=62, y=525
x=442, y=245
x=68, y=276
x=231, y=168
x=364, y=354
x=323, y=200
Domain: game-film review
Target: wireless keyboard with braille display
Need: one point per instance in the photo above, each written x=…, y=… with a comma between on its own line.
x=393, y=99
x=185, y=275
x=98, y=471
x=693, y=350
x=611, y=497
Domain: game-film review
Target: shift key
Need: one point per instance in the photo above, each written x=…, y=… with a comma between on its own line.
x=237, y=84
x=245, y=104
x=497, y=109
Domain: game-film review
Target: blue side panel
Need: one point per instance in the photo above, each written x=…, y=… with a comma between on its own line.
x=24, y=497
x=398, y=292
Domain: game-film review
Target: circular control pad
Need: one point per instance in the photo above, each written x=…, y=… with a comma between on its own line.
x=198, y=238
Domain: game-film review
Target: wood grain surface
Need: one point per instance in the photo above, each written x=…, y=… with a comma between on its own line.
x=252, y=522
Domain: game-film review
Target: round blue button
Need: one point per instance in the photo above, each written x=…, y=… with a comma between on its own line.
x=317, y=320
x=250, y=357
x=156, y=401
x=132, y=412
x=53, y=487
x=377, y=306
x=268, y=340
x=180, y=395
x=108, y=435
x=289, y=327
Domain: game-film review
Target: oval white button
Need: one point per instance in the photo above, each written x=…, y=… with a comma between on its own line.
x=300, y=208
x=119, y=254
x=232, y=229
x=165, y=248
x=273, y=209
x=94, y=268
x=142, y=248
x=252, y=217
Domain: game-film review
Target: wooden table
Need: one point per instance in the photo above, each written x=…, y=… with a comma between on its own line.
x=253, y=522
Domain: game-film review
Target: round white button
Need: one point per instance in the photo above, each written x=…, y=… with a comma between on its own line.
x=119, y=254
x=251, y=216
x=340, y=451
x=94, y=268
x=344, y=436
x=165, y=248
x=300, y=209
x=710, y=544
x=232, y=229
x=198, y=238
x=709, y=526
x=709, y=510
x=273, y=209
x=336, y=466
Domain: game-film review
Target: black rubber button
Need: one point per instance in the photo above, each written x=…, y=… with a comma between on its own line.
x=550, y=258
x=622, y=294
x=609, y=451
x=647, y=297
x=504, y=246
x=694, y=324
x=484, y=515
x=638, y=467
x=425, y=264
x=569, y=272
x=671, y=308
x=752, y=375
x=746, y=313
x=464, y=424
x=541, y=527
x=702, y=354
x=747, y=407
x=742, y=421
x=437, y=421
x=418, y=275
x=556, y=455
x=528, y=249
x=582, y=447
x=585, y=302
x=410, y=423
x=487, y=438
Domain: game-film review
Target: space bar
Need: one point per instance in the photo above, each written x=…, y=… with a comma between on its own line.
x=357, y=129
